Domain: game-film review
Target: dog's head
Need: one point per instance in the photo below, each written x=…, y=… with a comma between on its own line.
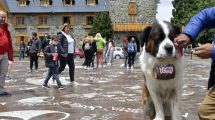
x=158, y=39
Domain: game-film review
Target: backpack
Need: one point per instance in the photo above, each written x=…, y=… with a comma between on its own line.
x=87, y=46
x=131, y=47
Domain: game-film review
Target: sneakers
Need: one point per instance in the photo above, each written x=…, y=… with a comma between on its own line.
x=30, y=71
x=46, y=86
x=36, y=71
x=60, y=87
x=132, y=67
x=74, y=83
x=5, y=94
x=85, y=67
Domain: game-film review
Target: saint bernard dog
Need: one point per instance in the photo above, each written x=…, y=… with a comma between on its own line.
x=162, y=66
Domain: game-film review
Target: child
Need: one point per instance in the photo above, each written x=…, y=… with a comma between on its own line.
x=22, y=48
x=52, y=52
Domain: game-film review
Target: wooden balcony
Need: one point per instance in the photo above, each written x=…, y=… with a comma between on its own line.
x=42, y=26
x=20, y=26
x=129, y=27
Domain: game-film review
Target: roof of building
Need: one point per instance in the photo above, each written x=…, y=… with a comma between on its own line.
x=56, y=7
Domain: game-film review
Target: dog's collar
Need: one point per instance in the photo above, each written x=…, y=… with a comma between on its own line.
x=164, y=72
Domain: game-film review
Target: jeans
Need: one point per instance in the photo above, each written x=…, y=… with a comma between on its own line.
x=3, y=71
x=52, y=71
x=33, y=59
x=21, y=54
x=131, y=58
x=88, y=57
x=110, y=57
x=70, y=61
x=126, y=61
x=93, y=58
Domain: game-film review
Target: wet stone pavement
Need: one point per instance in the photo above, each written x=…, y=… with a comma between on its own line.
x=109, y=93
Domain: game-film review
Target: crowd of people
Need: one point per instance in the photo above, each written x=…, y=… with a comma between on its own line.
x=59, y=51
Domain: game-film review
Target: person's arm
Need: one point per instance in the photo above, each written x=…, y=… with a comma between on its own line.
x=61, y=51
x=202, y=20
x=47, y=52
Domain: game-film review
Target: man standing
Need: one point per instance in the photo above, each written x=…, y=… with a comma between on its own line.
x=34, y=48
x=202, y=20
x=6, y=52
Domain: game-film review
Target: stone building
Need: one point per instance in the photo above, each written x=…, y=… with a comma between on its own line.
x=47, y=16
x=129, y=17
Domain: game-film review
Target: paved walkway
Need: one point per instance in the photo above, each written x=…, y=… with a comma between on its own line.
x=110, y=93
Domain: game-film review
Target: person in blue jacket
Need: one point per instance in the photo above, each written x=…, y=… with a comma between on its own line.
x=202, y=20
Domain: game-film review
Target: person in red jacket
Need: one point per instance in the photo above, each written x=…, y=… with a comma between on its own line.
x=6, y=52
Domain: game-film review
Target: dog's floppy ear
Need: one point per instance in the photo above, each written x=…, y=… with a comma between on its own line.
x=145, y=35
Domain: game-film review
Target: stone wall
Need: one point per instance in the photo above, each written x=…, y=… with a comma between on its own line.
x=54, y=22
x=146, y=13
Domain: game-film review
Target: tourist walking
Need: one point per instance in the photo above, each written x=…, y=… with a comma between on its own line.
x=125, y=50
x=52, y=52
x=100, y=44
x=68, y=44
x=110, y=51
x=6, y=52
x=89, y=47
x=34, y=49
x=132, y=50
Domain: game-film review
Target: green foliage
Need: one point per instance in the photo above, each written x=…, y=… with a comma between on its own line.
x=185, y=9
x=102, y=24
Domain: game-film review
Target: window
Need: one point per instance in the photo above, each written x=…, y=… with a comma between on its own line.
x=66, y=19
x=45, y=2
x=69, y=2
x=20, y=20
x=91, y=2
x=69, y=19
x=89, y=20
x=23, y=3
x=132, y=18
x=43, y=20
x=20, y=37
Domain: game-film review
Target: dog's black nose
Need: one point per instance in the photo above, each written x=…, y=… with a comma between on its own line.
x=168, y=48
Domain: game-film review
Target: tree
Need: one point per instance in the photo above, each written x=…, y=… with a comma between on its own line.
x=185, y=9
x=102, y=24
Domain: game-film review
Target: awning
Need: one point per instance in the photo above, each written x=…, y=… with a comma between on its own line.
x=129, y=27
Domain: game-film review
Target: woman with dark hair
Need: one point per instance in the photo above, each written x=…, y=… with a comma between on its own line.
x=67, y=42
x=89, y=47
x=125, y=47
x=110, y=51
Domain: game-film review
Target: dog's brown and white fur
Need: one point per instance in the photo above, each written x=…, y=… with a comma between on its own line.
x=161, y=97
